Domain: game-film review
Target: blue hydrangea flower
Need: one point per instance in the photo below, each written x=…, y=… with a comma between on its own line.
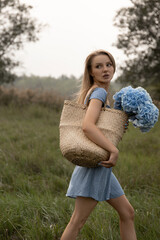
x=118, y=97
x=129, y=101
x=137, y=103
x=146, y=117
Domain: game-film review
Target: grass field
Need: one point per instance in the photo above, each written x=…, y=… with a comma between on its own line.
x=34, y=178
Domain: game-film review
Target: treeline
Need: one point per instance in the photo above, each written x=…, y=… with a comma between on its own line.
x=63, y=85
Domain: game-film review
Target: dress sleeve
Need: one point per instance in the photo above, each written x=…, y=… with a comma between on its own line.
x=99, y=93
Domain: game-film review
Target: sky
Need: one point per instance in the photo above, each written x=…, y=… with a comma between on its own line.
x=74, y=29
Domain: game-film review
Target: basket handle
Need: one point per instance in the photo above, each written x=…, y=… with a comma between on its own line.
x=89, y=94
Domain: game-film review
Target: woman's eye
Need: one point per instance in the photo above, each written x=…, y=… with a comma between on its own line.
x=109, y=64
x=98, y=66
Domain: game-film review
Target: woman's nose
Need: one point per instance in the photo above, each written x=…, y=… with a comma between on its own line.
x=105, y=68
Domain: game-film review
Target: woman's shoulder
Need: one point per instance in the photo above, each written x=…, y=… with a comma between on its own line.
x=99, y=93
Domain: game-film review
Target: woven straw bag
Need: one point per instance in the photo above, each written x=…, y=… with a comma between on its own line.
x=75, y=146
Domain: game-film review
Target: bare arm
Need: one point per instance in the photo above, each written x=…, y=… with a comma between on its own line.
x=94, y=133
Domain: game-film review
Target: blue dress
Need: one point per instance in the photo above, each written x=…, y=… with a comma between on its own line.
x=98, y=183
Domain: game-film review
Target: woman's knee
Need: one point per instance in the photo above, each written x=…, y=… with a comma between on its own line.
x=78, y=220
x=127, y=213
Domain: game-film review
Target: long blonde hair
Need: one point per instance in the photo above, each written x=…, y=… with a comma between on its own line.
x=87, y=81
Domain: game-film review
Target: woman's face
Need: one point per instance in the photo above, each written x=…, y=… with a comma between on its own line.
x=102, y=69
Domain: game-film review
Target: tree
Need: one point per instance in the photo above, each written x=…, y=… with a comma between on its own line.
x=140, y=40
x=16, y=28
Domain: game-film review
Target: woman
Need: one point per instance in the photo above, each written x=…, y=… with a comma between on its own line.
x=91, y=185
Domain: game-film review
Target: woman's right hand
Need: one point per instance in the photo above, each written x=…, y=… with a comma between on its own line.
x=112, y=159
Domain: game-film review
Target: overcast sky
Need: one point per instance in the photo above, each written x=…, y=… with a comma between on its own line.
x=75, y=28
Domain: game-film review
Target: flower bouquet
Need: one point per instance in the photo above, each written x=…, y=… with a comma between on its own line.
x=138, y=105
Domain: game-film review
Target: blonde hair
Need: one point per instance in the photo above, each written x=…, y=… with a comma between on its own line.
x=87, y=81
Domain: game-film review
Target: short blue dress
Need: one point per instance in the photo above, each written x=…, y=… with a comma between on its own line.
x=98, y=183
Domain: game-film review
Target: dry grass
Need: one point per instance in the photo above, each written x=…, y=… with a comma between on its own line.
x=27, y=96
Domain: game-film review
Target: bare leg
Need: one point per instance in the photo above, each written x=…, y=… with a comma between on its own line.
x=126, y=214
x=83, y=208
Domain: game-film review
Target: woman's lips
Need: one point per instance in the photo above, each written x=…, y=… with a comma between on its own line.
x=106, y=76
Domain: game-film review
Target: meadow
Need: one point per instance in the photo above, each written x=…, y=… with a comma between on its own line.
x=34, y=178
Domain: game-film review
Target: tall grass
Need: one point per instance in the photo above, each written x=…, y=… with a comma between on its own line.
x=34, y=178
x=23, y=97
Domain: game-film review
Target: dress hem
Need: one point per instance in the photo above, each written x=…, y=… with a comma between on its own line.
x=102, y=200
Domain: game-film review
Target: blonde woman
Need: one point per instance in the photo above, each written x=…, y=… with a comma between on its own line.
x=91, y=185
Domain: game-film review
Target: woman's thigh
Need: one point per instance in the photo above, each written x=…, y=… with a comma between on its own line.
x=83, y=207
x=122, y=206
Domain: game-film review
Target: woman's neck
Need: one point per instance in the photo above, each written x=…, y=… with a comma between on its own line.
x=105, y=86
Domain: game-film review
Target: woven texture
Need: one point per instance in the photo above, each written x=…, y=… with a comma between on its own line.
x=75, y=146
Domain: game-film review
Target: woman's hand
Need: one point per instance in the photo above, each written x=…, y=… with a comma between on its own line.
x=112, y=160
x=126, y=126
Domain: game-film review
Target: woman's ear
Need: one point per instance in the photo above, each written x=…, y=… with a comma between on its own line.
x=91, y=73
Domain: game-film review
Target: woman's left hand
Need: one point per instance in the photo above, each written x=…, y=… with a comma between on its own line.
x=111, y=162
x=126, y=126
